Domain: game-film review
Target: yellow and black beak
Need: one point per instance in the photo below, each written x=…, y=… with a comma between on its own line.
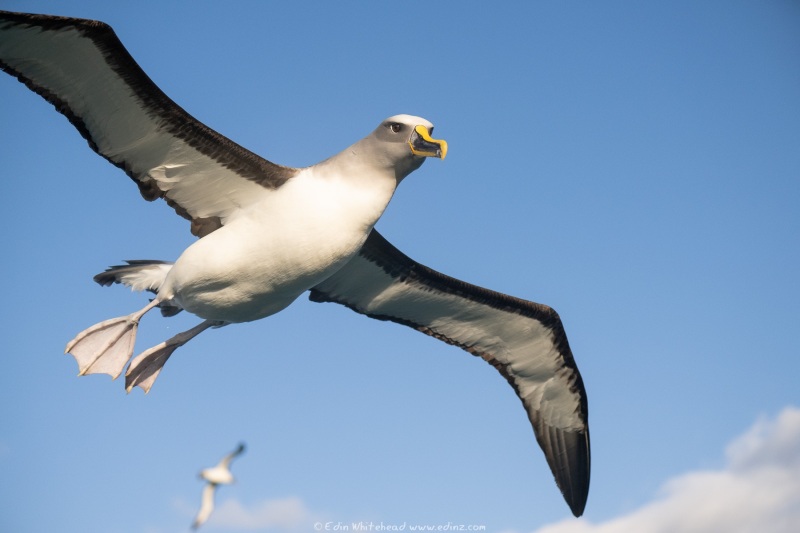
x=422, y=144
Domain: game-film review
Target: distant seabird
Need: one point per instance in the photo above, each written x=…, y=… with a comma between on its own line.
x=268, y=233
x=215, y=476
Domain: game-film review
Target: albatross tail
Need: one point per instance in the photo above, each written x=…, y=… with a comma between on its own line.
x=140, y=275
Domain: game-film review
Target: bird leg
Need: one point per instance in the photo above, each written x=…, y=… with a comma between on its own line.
x=106, y=347
x=145, y=367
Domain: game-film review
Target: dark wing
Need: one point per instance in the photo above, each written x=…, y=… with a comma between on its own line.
x=226, y=461
x=82, y=68
x=523, y=340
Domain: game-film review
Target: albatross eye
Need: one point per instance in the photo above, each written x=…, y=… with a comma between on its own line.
x=395, y=127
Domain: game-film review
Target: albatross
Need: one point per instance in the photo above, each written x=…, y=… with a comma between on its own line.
x=215, y=476
x=268, y=233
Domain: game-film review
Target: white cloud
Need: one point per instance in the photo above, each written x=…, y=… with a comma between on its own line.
x=284, y=514
x=757, y=491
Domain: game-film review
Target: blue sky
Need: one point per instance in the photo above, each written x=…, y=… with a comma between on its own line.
x=634, y=166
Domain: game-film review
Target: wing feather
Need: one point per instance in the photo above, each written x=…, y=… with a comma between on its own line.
x=523, y=340
x=226, y=461
x=82, y=68
x=206, y=505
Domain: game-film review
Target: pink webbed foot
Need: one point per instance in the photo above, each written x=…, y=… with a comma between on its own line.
x=146, y=366
x=105, y=348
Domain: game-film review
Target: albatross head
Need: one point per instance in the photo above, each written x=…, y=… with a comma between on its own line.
x=403, y=142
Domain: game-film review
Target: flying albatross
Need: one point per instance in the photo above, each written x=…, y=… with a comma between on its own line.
x=268, y=233
x=215, y=476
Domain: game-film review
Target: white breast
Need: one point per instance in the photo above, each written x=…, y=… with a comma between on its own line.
x=269, y=254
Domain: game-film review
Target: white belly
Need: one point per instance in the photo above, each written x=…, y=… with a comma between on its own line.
x=260, y=262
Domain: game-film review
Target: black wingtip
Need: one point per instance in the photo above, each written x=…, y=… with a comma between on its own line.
x=570, y=463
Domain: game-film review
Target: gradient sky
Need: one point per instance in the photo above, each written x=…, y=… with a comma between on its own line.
x=637, y=167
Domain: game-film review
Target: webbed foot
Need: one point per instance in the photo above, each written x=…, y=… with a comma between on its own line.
x=105, y=348
x=146, y=366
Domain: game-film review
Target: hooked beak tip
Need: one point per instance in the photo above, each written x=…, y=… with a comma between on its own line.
x=422, y=144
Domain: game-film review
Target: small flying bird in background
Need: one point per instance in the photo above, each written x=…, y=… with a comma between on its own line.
x=217, y=475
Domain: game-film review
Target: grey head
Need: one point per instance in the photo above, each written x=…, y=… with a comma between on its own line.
x=401, y=143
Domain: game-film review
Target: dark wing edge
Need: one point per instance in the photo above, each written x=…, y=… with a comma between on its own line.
x=383, y=283
x=226, y=461
x=239, y=450
x=169, y=117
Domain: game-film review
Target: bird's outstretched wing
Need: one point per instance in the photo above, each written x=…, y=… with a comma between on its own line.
x=523, y=340
x=82, y=68
x=226, y=461
x=206, y=505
